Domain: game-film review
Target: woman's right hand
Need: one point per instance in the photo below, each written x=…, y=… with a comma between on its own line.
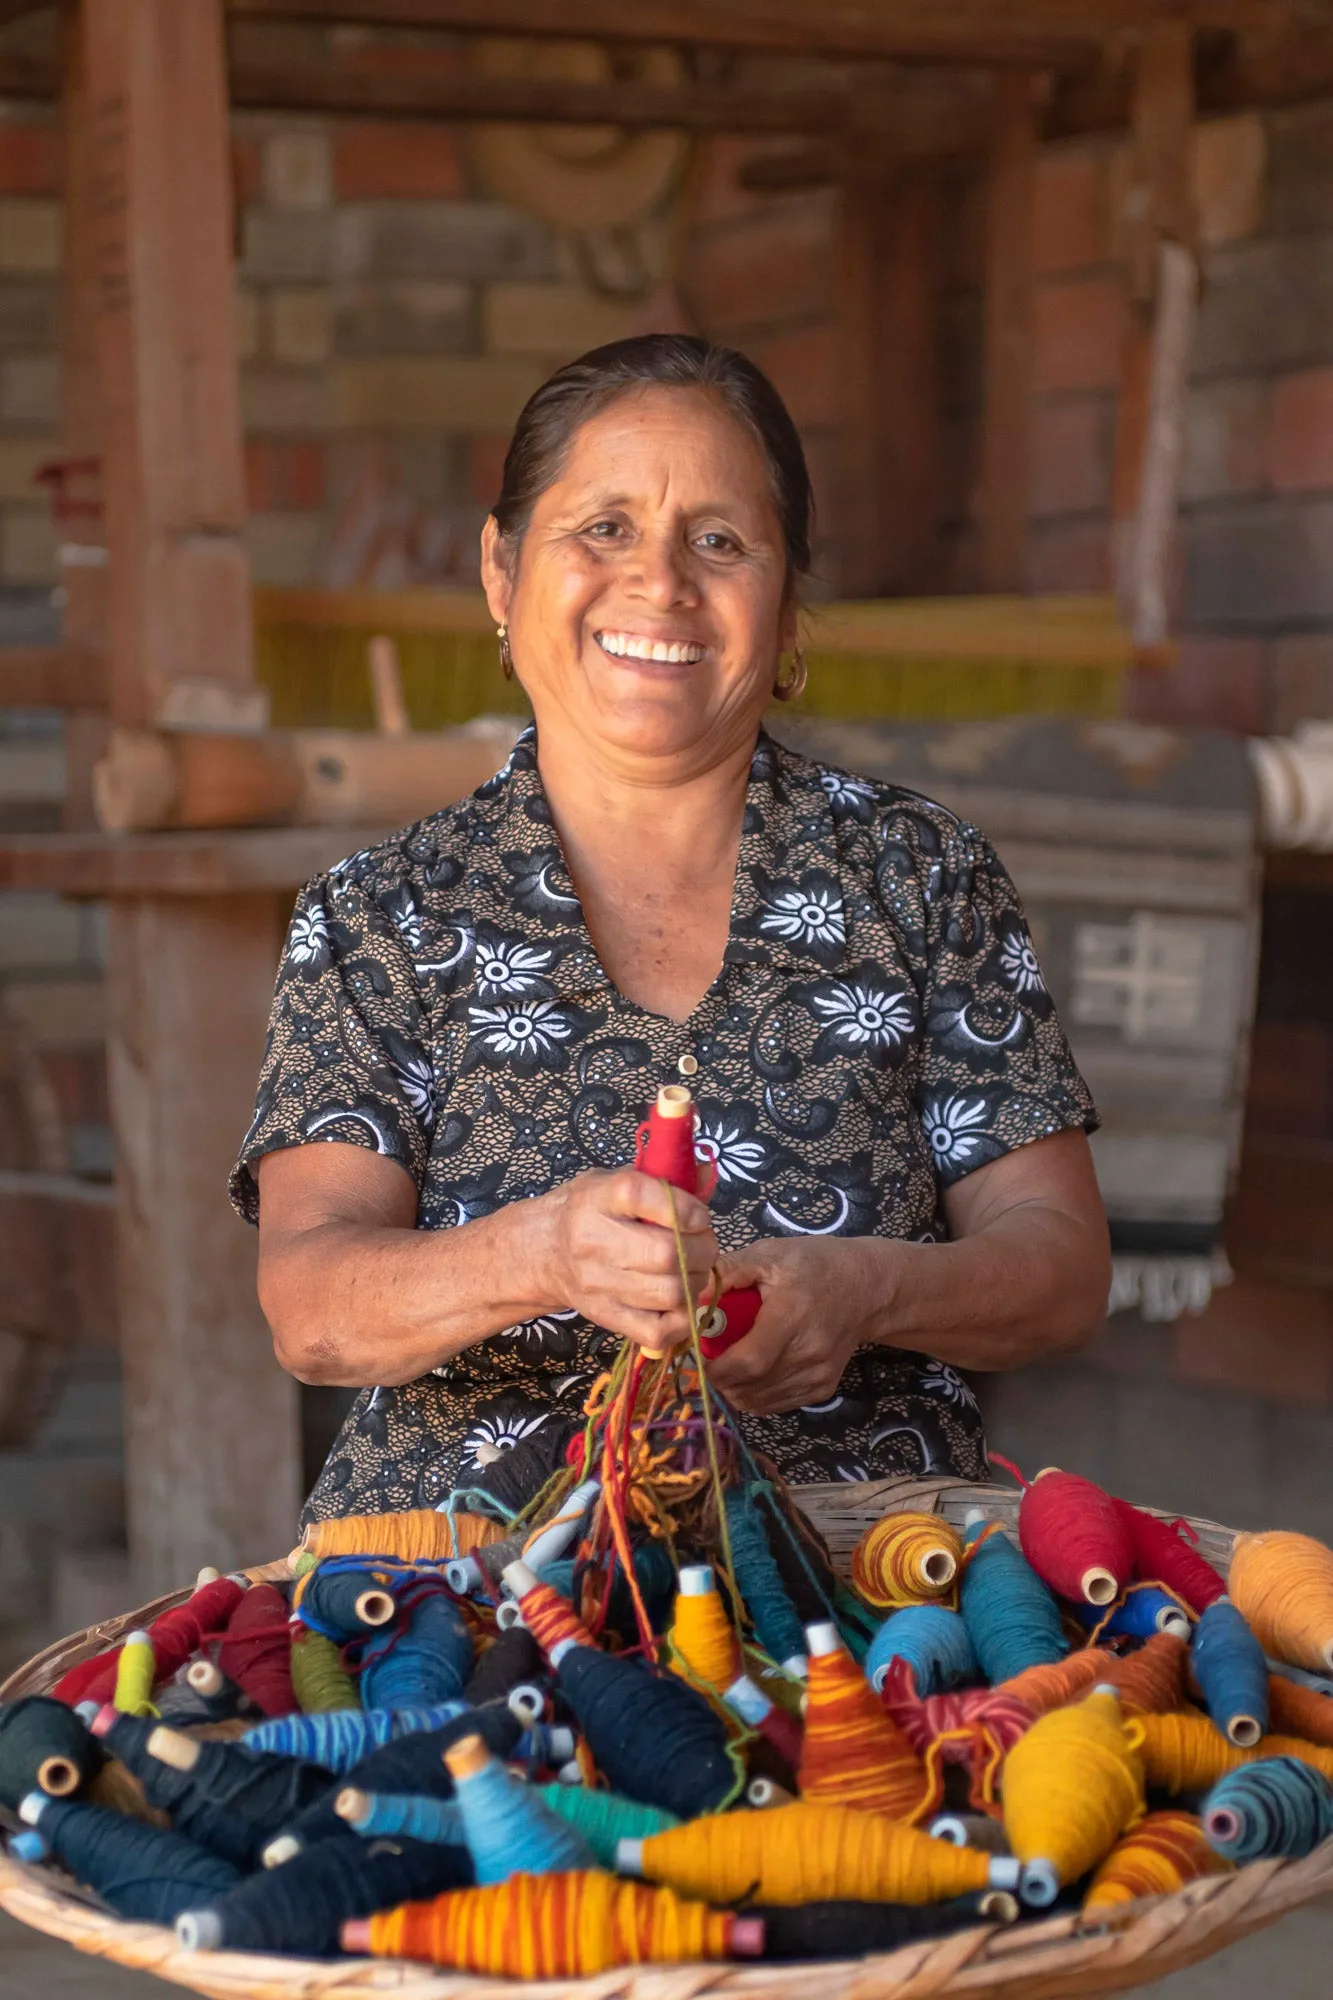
x=610, y=1253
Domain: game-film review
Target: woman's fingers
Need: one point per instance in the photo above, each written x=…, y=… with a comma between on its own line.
x=639, y=1197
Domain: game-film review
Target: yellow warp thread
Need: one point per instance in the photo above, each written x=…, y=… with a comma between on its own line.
x=702, y=1638
x=136, y=1670
x=1282, y=1585
x=1072, y=1785
x=804, y=1853
x=908, y=1559
x=1187, y=1753
x=1164, y=1852
x=418, y=1534
x=561, y=1926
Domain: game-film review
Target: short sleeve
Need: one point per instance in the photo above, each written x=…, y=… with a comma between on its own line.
x=996, y=1070
x=345, y=1059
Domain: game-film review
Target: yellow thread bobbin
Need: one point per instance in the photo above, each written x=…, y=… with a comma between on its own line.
x=701, y=1634
x=1282, y=1585
x=136, y=1670
x=1072, y=1785
x=908, y=1559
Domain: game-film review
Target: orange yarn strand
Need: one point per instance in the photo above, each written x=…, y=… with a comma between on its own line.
x=417, y=1535
x=550, y=1618
x=553, y=1927
x=908, y=1559
x=852, y=1752
x=1153, y=1678
x=1186, y=1753
x=1046, y=1687
x=1299, y=1711
x=1282, y=1585
x=1164, y=1852
x=805, y=1853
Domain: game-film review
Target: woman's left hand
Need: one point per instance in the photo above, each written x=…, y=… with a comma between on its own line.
x=819, y=1297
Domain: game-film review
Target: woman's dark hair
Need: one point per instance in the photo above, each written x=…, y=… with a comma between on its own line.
x=555, y=412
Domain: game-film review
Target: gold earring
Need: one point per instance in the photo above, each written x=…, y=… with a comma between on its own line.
x=793, y=687
x=506, y=657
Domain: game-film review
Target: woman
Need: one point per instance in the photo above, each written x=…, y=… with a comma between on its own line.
x=478, y=1012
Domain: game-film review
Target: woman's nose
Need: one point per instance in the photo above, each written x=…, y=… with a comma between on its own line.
x=660, y=572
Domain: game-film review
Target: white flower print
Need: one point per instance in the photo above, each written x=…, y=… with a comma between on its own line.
x=415, y=1075
x=503, y=965
x=938, y=1379
x=308, y=940
x=1018, y=962
x=737, y=1155
x=500, y=1429
x=808, y=913
x=864, y=1014
x=955, y=1130
x=848, y=796
x=530, y=1033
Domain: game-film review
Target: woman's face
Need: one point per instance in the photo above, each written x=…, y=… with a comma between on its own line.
x=647, y=606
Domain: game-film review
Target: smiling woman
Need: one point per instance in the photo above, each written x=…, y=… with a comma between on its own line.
x=478, y=1012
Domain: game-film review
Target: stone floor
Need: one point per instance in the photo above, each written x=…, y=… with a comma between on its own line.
x=1291, y=1961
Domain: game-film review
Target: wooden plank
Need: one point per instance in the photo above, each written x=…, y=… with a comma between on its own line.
x=176, y=864
x=52, y=677
x=211, y=1433
x=179, y=605
x=1007, y=411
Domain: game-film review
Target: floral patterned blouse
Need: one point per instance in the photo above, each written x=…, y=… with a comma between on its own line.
x=878, y=1029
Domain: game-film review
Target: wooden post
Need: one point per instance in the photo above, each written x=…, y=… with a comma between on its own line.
x=1157, y=217
x=211, y=1421
x=1007, y=415
x=889, y=328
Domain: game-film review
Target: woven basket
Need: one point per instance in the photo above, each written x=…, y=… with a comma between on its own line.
x=1107, y=1952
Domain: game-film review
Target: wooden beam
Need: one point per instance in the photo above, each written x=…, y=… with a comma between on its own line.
x=1004, y=495
x=212, y=1451
x=113, y=865
x=52, y=677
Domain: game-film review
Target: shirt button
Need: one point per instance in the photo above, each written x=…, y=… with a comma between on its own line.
x=688, y=1065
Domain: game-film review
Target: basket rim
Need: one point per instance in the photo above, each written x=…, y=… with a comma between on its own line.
x=1101, y=1951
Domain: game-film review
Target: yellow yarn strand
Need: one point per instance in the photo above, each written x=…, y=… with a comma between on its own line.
x=417, y=1535
x=1165, y=1851
x=908, y=1559
x=1187, y=1753
x=806, y=1853
x=1282, y=1585
x=136, y=1670
x=1072, y=1785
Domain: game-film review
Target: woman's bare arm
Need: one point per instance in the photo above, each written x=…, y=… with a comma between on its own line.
x=354, y=1293
x=1027, y=1273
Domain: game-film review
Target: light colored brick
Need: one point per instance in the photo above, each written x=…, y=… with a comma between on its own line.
x=461, y=393
x=1069, y=556
x=1226, y=440
x=60, y=1013
x=523, y=317
x=414, y=317
x=286, y=245
x=1071, y=455
x=29, y=235
x=32, y=773
x=1217, y=681
x=28, y=542
x=1227, y=161
x=248, y=320
x=283, y=547
x=440, y=239
x=1077, y=334
x=39, y=933
x=285, y=399
x=30, y=389
x=19, y=459
x=298, y=169
x=28, y=314
x=301, y=326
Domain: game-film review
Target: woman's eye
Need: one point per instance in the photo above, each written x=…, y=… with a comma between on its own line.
x=603, y=531
x=716, y=542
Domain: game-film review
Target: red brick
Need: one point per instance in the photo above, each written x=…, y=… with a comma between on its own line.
x=1071, y=456
x=1078, y=330
x=776, y=267
x=1273, y=1341
x=376, y=160
x=1302, y=679
x=803, y=368
x=247, y=168
x=719, y=196
x=31, y=157
x=1277, y=1225
x=1069, y=555
x=1070, y=212
x=1291, y=1069
x=1216, y=682
x=485, y=471
x=1300, y=444
x=285, y=475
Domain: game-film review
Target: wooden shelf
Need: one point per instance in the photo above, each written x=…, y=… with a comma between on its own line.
x=176, y=864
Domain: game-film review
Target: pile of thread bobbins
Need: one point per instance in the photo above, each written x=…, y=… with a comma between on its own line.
x=611, y=1705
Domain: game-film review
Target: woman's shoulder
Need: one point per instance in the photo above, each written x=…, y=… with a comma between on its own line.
x=888, y=813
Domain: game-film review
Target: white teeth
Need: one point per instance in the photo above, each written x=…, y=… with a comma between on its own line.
x=623, y=646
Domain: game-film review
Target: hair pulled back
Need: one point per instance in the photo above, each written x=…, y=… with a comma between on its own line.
x=554, y=414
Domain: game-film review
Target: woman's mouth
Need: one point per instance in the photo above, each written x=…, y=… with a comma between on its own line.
x=633, y=646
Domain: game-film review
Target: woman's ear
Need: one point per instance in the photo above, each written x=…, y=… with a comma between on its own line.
x=495, y=577
x=789, y=627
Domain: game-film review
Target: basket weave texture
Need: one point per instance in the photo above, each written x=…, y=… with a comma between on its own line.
x=1108, y=1951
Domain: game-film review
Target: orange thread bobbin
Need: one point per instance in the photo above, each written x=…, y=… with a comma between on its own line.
x=907, y=1559
x=1164, y=1852
x=1282, y=1586
x=1299, y=1711
x=852, y=1753
x=547, y=1615
x=1153, y=1678
x=417, y=1535
x=1187, y=1753
x=1043, y=1688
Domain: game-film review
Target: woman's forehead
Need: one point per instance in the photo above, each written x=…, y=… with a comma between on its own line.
x=657, y=442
